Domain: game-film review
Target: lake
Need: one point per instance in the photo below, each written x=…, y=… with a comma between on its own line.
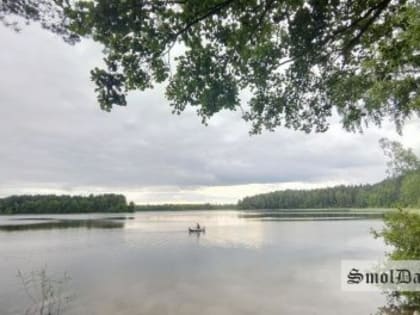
x=147, y=263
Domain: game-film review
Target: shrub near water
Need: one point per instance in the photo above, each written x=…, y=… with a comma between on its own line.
x=402, y=232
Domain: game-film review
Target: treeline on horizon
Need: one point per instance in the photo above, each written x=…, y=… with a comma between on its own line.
x=401, y=191
x=36, y=204
x=186, y=206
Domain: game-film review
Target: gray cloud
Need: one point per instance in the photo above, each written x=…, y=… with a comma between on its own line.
x=53, y=135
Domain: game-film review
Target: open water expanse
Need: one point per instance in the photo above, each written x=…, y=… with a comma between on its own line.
x=147, y=263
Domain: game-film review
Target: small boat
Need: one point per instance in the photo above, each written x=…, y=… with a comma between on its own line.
x=195, y=230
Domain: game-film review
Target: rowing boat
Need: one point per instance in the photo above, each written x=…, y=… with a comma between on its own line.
x=195, y=230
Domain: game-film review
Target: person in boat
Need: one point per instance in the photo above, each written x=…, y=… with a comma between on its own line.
x=198, y=226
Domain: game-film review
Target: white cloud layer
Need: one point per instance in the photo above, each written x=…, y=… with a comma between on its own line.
x=54, y=138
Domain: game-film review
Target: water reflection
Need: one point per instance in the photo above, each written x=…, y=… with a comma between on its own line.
x=50, y=223
x=151, y=266
x=312, y=215
x=196, y=236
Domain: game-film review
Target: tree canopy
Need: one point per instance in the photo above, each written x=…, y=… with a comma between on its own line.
x=300, y=60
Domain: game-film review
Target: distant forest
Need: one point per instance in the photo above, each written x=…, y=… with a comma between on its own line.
x=400, y=191
x=36, y=204
x=187, y=206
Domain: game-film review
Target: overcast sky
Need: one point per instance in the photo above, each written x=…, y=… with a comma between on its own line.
x=55, y=139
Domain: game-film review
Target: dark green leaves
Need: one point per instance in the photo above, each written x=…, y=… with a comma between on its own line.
x=300, y=60
x=203, y=80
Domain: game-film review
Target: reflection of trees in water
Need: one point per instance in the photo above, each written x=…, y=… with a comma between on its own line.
x=48, y=224
x=402, y=232
x=47, y=295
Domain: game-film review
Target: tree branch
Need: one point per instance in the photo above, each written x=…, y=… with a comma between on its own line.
x=213, y=11
x=364, y=28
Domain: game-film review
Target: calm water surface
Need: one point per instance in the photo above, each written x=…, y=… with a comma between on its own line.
x=149, y=264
